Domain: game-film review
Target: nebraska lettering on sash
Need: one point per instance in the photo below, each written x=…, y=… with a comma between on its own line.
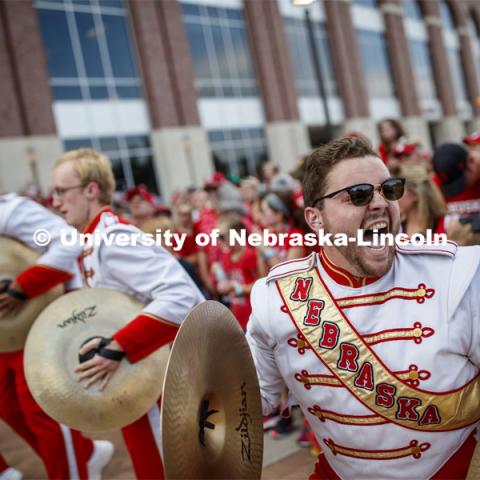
x=406, y=408
x=356, y=365
x=364, y=379
x=430, y=415
x=330, y=334
x=301, y=290
x=312, y=318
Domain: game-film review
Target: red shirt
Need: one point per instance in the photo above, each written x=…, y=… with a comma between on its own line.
x=466, y=203
x=244, y=272
x=189, y=246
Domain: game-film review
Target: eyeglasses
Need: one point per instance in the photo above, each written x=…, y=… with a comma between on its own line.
x=60, y=192
x=362, y=194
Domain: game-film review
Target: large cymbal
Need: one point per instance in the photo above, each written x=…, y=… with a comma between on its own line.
x=51, y=354
x=211, y=379
x=14, y=258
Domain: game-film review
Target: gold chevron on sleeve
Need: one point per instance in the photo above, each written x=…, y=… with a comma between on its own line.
x=413, y=449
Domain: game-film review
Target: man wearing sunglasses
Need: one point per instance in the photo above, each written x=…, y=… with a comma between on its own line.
x=379, y=345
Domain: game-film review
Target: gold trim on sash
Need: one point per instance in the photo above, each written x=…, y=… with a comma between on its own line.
x=315, y=312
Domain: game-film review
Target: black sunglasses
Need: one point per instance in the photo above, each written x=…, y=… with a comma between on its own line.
x=361, y=194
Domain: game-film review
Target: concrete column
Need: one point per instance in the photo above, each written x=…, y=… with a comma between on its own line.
x=182, y=155
x=363, y=125
x=28, y=160
x=450, y=129
x=286, y=142
x=287, y=137
x=416, y=128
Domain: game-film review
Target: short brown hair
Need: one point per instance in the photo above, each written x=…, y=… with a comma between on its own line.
x=322, y=160
x=92, y=166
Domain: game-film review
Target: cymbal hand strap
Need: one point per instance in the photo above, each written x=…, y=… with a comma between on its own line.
x=17, y=295
x=203, y=422
x=5, y=284
x=101, y=350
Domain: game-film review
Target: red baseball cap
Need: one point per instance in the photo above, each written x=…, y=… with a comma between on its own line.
x=141, y=190
x=215, y=180
x=473, y=138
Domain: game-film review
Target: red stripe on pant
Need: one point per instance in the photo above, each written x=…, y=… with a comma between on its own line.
x=455, y=468
x=19, y=410
x=140, y=441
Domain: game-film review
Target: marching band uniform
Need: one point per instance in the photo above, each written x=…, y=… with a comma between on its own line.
x=153, y=276
x=384, y=369
x=64, y=452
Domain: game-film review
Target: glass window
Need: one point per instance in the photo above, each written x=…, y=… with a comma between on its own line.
x=422, y=69
x=88, y=33
x=412, y=9
x=131, y=158
x=88, y=41
x=238, y=151
x=302, y=57
x=376, y=65
x=446, y=16
x=58, y=46
x=90, y=58
x=67, y=93
x=77, y=143
x=366, y=3
x=119, y=46
x=220, y=51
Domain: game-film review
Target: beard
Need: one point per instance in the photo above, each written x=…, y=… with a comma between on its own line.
x=365, y=267
x=364, y=261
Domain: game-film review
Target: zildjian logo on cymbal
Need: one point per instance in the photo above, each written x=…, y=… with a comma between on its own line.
x=245, y=420
x=79, y=317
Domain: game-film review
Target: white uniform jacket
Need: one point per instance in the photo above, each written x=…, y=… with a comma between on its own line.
x=148, y=273
x=422, y=319
x=21, y=218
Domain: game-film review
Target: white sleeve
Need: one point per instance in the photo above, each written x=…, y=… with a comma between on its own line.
x=262, y=346
x=469, y=309
x=154, y=273
x=464, y=305
x=28, y=217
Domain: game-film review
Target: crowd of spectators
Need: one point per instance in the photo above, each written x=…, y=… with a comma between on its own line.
x=442, y=193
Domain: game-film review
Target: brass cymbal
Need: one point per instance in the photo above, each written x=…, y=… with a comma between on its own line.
x=51, y=354
x=14, y=258
x=211, y=412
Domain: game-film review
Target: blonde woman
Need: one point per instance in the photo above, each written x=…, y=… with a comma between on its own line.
x=422, y=206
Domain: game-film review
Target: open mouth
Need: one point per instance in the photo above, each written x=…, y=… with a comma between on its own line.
x=378, y=229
